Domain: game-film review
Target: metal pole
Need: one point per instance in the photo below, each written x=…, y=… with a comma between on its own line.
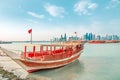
x=51, y=46
x=31, y=38
x=25, y=49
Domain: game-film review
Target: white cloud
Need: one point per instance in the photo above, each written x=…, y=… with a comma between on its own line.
x=36, y=15
x=84, y=7
x=54, y=10
x=92, y=5
x=113, y=4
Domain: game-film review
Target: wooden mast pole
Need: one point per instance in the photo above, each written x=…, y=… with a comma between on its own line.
x=30, y=32
x=31, y=38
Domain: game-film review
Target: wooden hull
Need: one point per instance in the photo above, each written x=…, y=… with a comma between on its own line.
x=48, y=56
x=32, y=66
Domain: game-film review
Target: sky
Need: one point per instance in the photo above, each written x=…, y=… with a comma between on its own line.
x=51, y=18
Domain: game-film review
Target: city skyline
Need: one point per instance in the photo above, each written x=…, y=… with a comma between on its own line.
x=49, y=18
x=86, y=37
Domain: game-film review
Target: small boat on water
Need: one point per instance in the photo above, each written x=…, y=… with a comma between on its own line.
x=103, y=41
x=45, y=56
x=96, y=41
x=49, y=55
x=112, y=41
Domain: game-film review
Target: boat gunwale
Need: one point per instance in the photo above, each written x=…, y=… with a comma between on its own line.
x=62, y=44
x=52, y=61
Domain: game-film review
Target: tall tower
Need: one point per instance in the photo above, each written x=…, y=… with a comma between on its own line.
x=65, y=37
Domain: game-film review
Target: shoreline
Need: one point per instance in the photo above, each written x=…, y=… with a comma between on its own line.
x=4, y=74
x=7, y=70
x=10, y=70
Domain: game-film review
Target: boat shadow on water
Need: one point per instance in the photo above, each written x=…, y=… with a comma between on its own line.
x=68, y=72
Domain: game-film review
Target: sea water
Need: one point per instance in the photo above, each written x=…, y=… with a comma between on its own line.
x=97, y=62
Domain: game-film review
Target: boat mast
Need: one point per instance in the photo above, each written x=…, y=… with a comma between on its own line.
x=31, y=38
x=30, y=32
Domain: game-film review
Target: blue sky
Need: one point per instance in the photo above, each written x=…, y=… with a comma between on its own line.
x=49, y=18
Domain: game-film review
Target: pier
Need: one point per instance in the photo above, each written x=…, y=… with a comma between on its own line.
x=8, y=53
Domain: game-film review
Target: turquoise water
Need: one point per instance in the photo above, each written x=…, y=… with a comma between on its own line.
x=97, y=62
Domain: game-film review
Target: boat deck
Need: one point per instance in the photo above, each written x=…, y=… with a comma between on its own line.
x=45, y=56
x=31, y=66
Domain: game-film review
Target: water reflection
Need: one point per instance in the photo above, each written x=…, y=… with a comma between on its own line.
x=68, y=72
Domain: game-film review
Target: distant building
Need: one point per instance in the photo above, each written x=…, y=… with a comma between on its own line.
x=61, y=39
x=91, y=36
x=87, y=37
